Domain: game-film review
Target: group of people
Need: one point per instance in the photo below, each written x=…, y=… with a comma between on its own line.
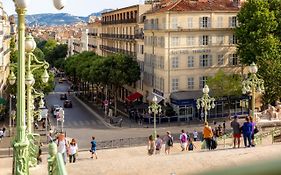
x=248, y=130
x=186, y=142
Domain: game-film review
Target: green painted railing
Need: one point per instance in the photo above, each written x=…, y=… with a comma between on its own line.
x=33, y=148
x=56, y=165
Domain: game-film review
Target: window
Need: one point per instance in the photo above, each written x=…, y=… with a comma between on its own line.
x=232, y=39
x=160, y=41
x=205, y=60
x=232, y=21
x=175, y=84
x=190, y=40
x=202, y=81
x=220, y=39
x=175, y=62
x=219, y=21
x=233, y=60
x=220, y=60
x=190, y=83
x=175, y=41
x=189, y=22
x=161, y=62
x=174, y=23
x=204, y=40
x=205, y=22
x=190, y=61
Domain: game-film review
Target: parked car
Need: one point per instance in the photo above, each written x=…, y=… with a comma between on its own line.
x=63, y=96
x=67, y=104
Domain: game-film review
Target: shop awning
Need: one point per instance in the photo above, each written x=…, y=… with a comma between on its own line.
x=159, y=98
x=2, y=101
x=133, y=96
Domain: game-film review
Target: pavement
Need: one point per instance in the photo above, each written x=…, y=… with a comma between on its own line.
x=128, y=161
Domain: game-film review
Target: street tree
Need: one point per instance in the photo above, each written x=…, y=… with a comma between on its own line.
x=225, y=85
x=259, y=35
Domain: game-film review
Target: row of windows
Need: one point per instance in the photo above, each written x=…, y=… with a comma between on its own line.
x=205, y=60
x=202, y=40
x=190, y=83
x=154, y=61
x=155, y=41
x=191, y=22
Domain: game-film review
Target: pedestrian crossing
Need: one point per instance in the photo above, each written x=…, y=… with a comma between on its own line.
x=80, y=123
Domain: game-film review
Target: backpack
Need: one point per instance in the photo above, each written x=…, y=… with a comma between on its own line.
x=170, y=141
x=183, y=138
x=190, y=147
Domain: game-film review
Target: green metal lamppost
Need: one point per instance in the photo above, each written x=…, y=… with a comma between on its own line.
x=253, y=84
x=155, y=109
x=206, y=102
x=20, y=145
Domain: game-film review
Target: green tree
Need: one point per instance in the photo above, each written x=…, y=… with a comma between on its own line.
x=259, y=34
x=224, y=85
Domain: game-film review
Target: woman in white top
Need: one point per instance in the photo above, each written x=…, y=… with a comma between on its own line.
x=72, y=151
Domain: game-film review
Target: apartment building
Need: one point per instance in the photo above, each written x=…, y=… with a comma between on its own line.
x=5, y=36
x=186, y=41
x=94, y=36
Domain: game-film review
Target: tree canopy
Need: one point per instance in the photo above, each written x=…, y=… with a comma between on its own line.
x=259, y=36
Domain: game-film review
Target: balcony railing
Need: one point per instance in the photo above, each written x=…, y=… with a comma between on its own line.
x=92, y=34
x=56, y=165
x=117, y=50
x=92, y=46
x=118, y=36
x=124, y=21
x=139, y=36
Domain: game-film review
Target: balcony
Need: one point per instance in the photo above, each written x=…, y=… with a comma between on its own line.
x=117, y=50
x=139, y=36
x=92, y=46
x=92, y=34
x=118, y=36
x=124, y=21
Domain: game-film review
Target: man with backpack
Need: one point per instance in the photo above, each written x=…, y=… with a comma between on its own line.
x=183, y=140
x=168, y=142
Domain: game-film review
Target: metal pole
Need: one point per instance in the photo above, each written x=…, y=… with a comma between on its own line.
x=205, y=114
x=253, y=102
x=21, y=143
x=154, y=124
x=28, y=99
x=10, y=117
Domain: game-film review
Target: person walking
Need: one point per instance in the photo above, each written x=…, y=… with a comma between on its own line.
x=73, y=150
x=208, y=135
x=150, y=145
x=1, y=134
x=235, y=125
x=254, y=131
x=94, y=148
x=195, y=135
x=168, y=142
x=183, y=140
x=62, y=146
x=158, y=144
x=247, y=132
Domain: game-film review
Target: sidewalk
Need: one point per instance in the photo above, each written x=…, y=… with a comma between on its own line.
x=127, y=161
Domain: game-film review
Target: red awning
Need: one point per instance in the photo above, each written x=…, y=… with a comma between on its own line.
x=133, y=96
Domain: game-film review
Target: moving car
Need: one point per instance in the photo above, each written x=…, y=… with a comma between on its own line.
x=63, y=96
x=67, y=104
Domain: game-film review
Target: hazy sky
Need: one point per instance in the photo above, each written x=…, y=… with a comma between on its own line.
x=74, y=7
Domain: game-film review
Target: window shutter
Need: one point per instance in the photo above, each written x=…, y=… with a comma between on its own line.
x=230, y=22
x=210, y=60
x=231, y=39
x=208, y=22
x=201, y=40
x=210, y=40
x=201, y=22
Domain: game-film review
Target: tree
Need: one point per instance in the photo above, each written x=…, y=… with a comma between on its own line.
x=223, y=85
x=259, y=35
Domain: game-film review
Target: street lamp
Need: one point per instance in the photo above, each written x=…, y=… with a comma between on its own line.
x=206, y=102
x=20, y=145
x=253, y=84
x=155, y=109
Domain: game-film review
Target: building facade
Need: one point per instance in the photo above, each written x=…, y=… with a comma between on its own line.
x=5, y=37
x=185, y=42
x=94, y=32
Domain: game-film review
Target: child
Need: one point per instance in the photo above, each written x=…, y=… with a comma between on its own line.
x=191, y=146
x=94, y=148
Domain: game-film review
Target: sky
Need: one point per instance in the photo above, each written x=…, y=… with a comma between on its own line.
x=73, y=7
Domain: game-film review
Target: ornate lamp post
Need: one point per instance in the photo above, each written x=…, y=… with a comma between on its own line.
x=253, y=84
x=205, y=102
x=155, y=109
x=21, y=158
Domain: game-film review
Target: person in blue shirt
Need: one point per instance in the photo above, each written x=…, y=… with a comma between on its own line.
x=247, y=132
x=94, y=148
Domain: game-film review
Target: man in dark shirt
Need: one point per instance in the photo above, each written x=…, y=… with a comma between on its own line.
x=235, y=125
